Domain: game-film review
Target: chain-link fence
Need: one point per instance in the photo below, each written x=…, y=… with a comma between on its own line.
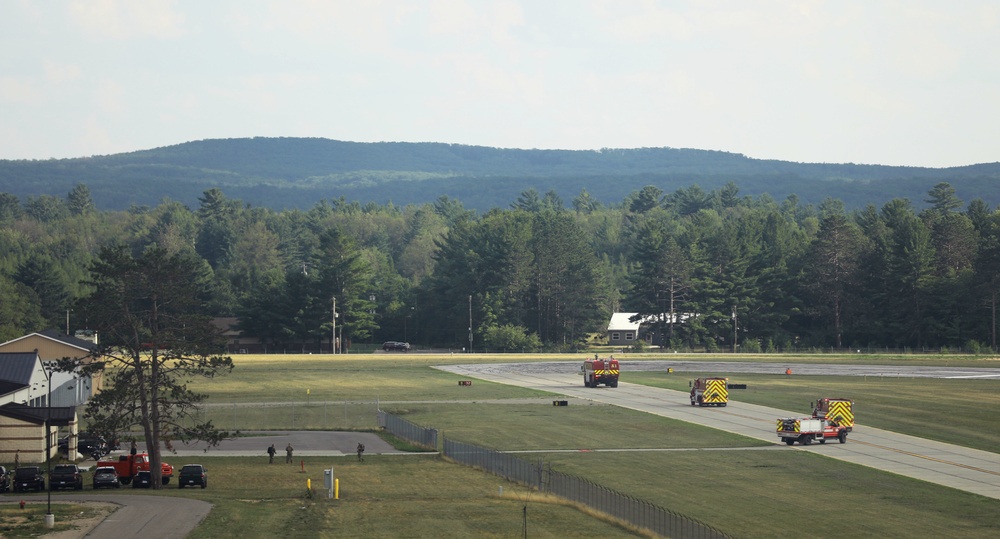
x=639, y=513
x=397, y=426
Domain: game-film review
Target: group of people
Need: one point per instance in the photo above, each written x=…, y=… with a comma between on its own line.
x=288, y=453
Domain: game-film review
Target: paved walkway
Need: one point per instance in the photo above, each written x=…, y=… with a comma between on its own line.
x=138, y=516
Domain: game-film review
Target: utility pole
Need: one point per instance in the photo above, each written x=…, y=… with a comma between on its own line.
x=734, y=328
x=333, y=336
x=470, y=324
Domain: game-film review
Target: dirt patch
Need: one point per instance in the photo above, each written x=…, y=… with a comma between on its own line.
x=85, y=521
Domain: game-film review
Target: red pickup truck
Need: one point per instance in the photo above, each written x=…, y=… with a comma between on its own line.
x=129, y=465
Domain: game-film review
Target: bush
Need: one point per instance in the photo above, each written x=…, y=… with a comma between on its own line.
x=511, y=338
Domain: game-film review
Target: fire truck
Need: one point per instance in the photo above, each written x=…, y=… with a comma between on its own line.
x=709, y=392
x=805, y=430
x=838, y=411
x=128, y=466
x=600, y=371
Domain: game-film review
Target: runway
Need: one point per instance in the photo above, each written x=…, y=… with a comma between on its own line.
x=970, y=470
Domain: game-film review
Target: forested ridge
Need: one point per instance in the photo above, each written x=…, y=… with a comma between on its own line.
x=730, y=269
x=293, y=173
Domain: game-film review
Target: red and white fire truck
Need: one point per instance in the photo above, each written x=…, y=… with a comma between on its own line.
x=805, y=430
x=598, y=371
x=709, y=391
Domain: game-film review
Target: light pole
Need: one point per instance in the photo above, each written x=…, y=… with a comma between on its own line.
x=470, y=324
x=333, y=337
x=50, y=519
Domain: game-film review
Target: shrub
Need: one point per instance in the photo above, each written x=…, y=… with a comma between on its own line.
x=511, y=338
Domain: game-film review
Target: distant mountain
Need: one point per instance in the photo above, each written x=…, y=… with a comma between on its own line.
x=283, y=173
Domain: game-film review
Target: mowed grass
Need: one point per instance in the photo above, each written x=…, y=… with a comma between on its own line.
x=318, y=378
x=414, y=496
x=778, y=493
x=534, y=427
x=961, y=412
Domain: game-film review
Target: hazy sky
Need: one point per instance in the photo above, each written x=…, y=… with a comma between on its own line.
x=881, y=82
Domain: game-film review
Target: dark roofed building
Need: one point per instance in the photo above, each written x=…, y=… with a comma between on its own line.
x=24, y=408
x=51, y=345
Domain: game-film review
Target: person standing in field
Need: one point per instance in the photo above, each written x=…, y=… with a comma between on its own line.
x=288, y=453
x=270, y=454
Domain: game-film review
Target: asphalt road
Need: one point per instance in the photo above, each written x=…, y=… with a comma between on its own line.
x=146, y=517
x=953, y=466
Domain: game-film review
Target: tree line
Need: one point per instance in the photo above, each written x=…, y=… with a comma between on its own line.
x=711, y=270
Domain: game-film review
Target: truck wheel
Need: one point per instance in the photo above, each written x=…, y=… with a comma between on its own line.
x=692, y=401
x=701, y=401
x=822, y=440
x=614, y=384
x=790, y=441
x=842, y=436
x=807, y=439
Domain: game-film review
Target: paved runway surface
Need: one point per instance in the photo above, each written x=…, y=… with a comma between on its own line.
x=953, y=466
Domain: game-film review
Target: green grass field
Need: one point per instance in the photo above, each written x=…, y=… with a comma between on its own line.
x=961, y=412
x=736, y=485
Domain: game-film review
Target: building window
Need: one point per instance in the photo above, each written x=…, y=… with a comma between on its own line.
x=615, y=336
x=629, y=335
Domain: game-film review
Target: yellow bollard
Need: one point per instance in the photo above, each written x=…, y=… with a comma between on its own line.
x=336, y=489
x=309, y=485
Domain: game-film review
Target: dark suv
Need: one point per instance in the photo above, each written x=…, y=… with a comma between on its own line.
x=106, y=476
x=396, y=345
x=28, y=477
x=193, y=474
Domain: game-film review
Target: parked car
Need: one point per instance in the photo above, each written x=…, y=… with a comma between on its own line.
x=66, y=476
x=4, y=479
x=193, y=474
x=396, y=346
x=142, y=479
x=28, y=478
x=106, y=476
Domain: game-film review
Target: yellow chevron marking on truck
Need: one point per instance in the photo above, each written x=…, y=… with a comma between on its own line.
x=716, y=391
x=841, y=413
